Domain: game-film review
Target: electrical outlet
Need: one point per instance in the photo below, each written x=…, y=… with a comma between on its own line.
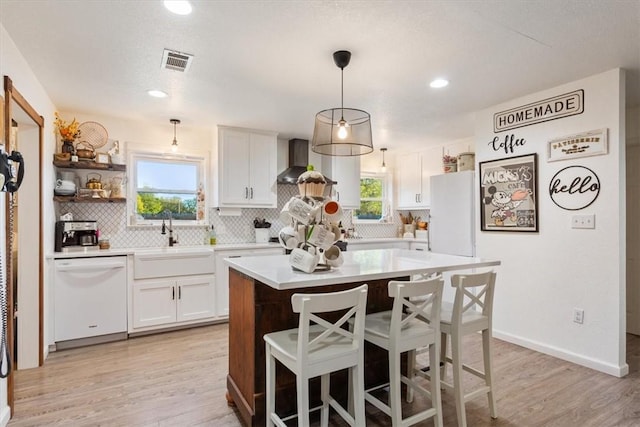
x=578, y=315
x=583, y=221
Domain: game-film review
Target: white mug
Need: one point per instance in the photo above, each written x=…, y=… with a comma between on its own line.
x=333, y=256
x=337, y=234
x=297, y=209
x=321, y=236
x=303, y=260
x=332, y=210
x=288, y=238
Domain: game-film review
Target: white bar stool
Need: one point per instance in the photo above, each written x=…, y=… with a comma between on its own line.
x=317, y=350
x=399, y=332
x=462, y=318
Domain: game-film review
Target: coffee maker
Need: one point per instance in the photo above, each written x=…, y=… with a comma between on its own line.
x=75, y=233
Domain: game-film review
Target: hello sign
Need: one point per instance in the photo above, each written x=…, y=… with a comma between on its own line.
x=574, y=188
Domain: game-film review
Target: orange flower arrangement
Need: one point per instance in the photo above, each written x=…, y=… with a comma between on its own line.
x=68, y=132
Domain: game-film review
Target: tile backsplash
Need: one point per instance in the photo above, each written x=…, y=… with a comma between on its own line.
x=112, y=221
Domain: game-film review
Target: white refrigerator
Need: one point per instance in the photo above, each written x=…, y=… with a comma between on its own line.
x=452, y=214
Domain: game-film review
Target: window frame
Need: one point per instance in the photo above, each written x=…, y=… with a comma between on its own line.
x=384, y=177
x=199, y=159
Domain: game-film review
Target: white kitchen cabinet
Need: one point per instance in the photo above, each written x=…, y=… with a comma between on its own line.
x=168, y=301
x=172, y=287
x=419, y=246
x=153, y=303
x=246, y=168
x=360, y=244
x=222, y=273
x=414, y=177
x=409, y=180
x=346, y=172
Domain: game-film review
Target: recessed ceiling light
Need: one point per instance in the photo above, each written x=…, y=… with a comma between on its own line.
x=157, y=93
x=179, y=7
x=438, y=83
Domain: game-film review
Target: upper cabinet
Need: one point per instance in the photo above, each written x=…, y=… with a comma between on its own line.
x=346, y=172
x=414, y=177
x=245, y=168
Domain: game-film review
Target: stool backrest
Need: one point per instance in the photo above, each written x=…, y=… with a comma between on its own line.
x=422, y=299
x=352, y=300
x=473, y=290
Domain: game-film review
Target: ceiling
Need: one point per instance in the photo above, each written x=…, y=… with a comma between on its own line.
x=268, y=64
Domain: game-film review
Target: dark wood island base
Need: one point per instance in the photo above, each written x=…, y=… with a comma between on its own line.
x=256, y=309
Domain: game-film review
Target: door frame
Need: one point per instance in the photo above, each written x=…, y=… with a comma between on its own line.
x=13, y=95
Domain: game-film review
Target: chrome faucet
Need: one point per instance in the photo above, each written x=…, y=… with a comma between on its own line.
x=172, y=241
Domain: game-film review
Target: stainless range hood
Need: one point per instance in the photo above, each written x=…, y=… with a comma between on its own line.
x=298, y=161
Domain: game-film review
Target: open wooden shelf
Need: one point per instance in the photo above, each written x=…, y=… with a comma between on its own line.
x=74, y=199
x=81, y=164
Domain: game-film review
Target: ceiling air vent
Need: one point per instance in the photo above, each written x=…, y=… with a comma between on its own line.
x=178, y=61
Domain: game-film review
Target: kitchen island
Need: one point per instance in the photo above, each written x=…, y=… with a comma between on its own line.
x=260, y=290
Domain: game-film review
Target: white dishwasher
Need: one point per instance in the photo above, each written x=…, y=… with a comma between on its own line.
x=90, y=298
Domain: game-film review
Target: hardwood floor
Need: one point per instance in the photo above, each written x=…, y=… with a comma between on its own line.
x=178, y=379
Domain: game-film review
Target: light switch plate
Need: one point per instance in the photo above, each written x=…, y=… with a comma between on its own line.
x=583, y=221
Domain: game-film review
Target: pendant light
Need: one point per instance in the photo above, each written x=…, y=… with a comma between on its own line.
x=342, y=131
x=174, y=144
x=383, y=168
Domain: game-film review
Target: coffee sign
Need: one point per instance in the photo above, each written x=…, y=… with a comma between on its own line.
x=574, y=188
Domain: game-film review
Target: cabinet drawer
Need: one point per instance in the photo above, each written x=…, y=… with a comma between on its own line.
x=165, y=264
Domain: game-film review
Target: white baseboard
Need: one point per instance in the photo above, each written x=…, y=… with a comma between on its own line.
x=5, y=415
x=579, y=359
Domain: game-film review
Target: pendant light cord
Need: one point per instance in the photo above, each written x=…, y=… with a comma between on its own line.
x=342, y=93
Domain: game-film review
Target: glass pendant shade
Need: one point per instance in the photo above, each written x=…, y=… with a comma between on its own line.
x=342, y=131
x=326, y=138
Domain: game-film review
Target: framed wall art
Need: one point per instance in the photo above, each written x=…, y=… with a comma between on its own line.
x=509, y=194
x=591, y=143
x=102, y=158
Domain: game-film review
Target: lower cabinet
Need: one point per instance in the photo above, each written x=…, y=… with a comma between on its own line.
x=222, y=273
x=356, y=245
x=173, y=300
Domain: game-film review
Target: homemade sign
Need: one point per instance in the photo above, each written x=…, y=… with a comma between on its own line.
x=592, y=143
x=574, y=188
x=508, y=194
x=557, y=107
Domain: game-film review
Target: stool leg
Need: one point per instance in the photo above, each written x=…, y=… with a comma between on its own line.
x=395, y=402
x=357, y=373
x=302, y=383
x=458, y=391
x=411, y=372
x=436, y=400
x=443, y=355
x=324, y=395
x=271, y=385
x=488, y=374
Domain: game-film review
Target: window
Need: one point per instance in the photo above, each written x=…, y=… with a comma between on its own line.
x=372, y=197
x=163, y=185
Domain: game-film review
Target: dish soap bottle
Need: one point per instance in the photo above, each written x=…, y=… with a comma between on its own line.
x=212, y=236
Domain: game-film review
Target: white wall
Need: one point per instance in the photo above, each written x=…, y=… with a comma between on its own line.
x=545, y=275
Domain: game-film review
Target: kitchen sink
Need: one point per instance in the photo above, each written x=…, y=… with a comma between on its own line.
x=174, y=250
x=173, y=261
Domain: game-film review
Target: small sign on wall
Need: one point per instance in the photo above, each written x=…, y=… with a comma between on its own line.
x=592, y=143
x=574, y=188
x=557, y=107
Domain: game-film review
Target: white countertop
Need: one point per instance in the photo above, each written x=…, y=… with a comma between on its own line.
x=94, y=251
x=360, y=265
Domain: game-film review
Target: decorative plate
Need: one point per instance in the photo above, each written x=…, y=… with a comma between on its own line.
x=93, y=133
